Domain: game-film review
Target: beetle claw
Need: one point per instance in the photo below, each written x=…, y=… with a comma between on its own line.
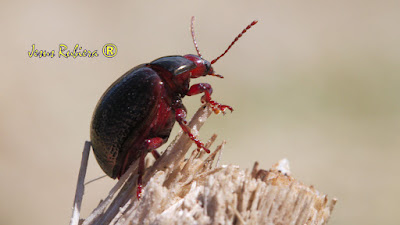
x=218, y=108
x=205, y=149
x=139, y=192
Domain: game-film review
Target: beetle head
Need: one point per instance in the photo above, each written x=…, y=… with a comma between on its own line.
x=203, y=67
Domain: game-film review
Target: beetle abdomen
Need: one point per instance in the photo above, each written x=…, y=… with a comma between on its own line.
x=126, y=106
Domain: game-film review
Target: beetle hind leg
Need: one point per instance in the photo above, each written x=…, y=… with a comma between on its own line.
x=150, y=145
x=141, y=169
x=155, y=154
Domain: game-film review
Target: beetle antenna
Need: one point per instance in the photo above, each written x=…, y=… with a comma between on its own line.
x=236, y=39
x=194, y=38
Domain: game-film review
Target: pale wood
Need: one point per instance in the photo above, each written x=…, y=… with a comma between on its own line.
x=193, y=191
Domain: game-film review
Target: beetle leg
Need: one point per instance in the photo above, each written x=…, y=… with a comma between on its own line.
x=207, y=89
x=153, y=143
x=155, y=154
x=150, y=145
x=141, y=169
x=180, y=115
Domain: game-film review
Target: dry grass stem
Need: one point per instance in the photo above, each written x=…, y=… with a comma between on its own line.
x=80, y=187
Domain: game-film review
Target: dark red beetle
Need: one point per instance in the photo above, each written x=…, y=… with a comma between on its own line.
x=136, y=113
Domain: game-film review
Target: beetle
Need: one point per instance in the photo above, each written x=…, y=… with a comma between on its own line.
x=135, y=115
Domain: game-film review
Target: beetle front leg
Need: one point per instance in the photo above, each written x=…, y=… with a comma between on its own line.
x=180, y=115
x=207, y=89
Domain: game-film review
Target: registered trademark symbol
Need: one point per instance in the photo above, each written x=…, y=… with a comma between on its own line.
x=110, y=50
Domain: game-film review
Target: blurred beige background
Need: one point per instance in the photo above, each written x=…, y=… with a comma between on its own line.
x=316, y=82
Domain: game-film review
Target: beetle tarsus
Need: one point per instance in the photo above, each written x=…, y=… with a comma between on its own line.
x=139, y=191
x=215, y=106
x=218, y=108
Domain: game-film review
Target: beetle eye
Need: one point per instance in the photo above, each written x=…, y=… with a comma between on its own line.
x=207, y=64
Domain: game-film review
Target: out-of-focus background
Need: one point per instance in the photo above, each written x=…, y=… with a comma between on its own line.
x=316, y=82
